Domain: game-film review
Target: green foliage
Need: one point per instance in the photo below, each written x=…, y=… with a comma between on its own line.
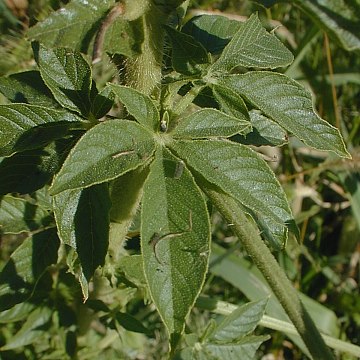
x=229, y=338
x=108, y=183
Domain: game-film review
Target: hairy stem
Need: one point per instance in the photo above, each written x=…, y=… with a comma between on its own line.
x=267, y=264
x=143, y=72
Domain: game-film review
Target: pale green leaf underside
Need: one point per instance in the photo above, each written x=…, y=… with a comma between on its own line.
x=33, y=328
x=18, y=312
x=290, y=105
x=240, y=322
x=72, y=25
x=68, y=76
x=240, y=172
x=241, y=350
x=139, y=105
x=175, y=236
x=18, y=215
x=207, y=123
x=105, y=152
x=16, y=119
x=253, y=46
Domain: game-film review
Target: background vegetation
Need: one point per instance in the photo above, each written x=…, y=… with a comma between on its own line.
x=323, y=191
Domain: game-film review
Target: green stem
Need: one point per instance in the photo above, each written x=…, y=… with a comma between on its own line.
x=144, y=72
x=267, y=264
x=187, y=99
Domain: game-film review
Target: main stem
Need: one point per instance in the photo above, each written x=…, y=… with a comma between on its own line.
x=144, y=71
x=267, y=264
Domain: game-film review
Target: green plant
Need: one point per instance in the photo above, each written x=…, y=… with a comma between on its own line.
x=182, y=131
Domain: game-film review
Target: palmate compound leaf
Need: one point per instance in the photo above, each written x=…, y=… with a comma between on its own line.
x=82, y=218
x=240, y=172
x=289, y=104
x=175, y=238
x=207, y=123
x=105, y=152
x=253, y=46
x=139, y=105
x=26, y=127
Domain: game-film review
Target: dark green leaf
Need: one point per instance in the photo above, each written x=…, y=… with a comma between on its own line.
x=105, y=152
x=27, y=87
x=68, y=76
x=290, y=105
x=240, y=172
x=240, y=322
x=253, y=46
x=124, y=38
x=33, y=328
x=207, y=123
x=204, y=98
x=139, y=105
x=265, y=132
x=339, y=18
x=71, y=26
x=103, y=102
x=26, y=127
x=230, y=102
x=82, y=218
x=130, y=323
x=189, y=57
x=26, y=266
x=175, y=236
x=214, y=32
x=29, y=171
x=18, y=215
